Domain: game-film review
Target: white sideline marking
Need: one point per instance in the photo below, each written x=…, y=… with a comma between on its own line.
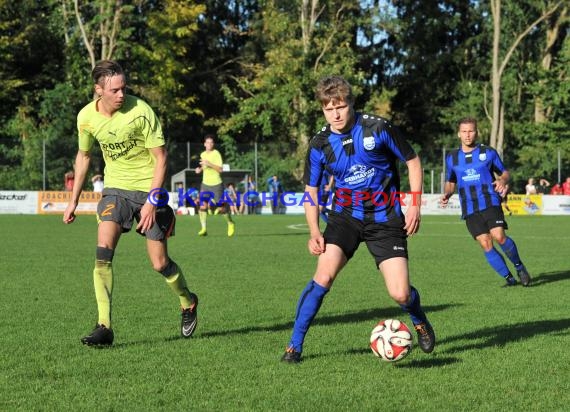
x=299, y=226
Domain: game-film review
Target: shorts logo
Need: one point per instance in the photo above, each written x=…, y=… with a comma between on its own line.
x=398, y=248
x=369, y=142
x=108, y=209
x=500, y=222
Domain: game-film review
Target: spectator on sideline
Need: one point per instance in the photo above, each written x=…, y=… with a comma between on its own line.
x=362, y=152
x=557, y=189
x=275, y=188
x=566, y=187
x=472, y=169
x=232, y=196
x=252, y=197
x=98, y=183
x=543, y=186
x=212, y=188
x=68, y=180
x=123, y=124
x=530, y=187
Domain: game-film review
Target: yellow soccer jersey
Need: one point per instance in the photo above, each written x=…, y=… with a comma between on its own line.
x=124, y=139
x=211, y=176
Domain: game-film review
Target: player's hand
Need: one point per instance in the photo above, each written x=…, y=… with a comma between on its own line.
x=148, y=217
x=413, y=219
x=443, y=201
x=316, y=244
x=69, y=214
x=500, y=187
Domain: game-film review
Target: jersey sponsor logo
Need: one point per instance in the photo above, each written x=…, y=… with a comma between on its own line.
x=108, y=210
x=347, y=141
x=369, y=142
x=471, y=175
x=482, y=156
x=359, y=174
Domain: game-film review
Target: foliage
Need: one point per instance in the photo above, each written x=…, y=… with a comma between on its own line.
x=246, y=70
x=165, y=54
x=274, y=97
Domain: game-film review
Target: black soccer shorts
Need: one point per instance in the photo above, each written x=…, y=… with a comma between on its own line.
x=384, y=240
x=482, y=222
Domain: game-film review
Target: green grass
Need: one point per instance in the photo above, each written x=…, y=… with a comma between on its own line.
x=498, y=349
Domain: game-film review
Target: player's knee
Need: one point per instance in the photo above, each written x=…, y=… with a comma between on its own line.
x=104, y=255
x=400, y=296
x=166, y=268
x=500, y=238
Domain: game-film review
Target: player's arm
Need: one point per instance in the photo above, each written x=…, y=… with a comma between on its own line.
x=216, y=164
x=206, y=163
x=148, y=211
x=448, y=191
x=415, y=174
x=501, y=184
x=82, y=160
x=316, y=242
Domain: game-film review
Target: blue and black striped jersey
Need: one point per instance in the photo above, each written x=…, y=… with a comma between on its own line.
x=473, y=172
x=364, y=165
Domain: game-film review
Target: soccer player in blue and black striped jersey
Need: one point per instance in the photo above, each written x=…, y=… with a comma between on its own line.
x=472, y=168
x=361, y=152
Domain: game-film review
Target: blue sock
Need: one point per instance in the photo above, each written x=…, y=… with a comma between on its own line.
x=414, y=308
x=308, y=306
x=510, y=249
x=497, y=262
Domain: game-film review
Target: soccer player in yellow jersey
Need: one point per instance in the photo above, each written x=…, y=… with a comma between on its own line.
x=212, y=187
x=132, y=143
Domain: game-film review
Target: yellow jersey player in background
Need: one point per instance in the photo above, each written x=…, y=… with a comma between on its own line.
x=131, y=140
x=212, y=188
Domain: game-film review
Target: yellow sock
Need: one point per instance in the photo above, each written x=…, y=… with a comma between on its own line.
x=178, y=285
x=103, y=282
x=203, y=216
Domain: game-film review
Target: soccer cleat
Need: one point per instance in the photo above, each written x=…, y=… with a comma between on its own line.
x=523, y=275
x=101, y=336
x=511, y=281
x=426, y=337
x=231, y=229
x=291, y=356
x=203, y=232
x=189, y=318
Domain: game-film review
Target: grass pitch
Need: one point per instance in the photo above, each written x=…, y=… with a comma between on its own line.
x=498, y=348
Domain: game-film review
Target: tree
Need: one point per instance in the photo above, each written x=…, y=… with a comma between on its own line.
x=439, y=51
x=302, y=41
x=498, y=67
x=556, y=33
x=26, y=70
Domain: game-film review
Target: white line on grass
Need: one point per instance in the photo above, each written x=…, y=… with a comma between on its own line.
x=299, y=226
